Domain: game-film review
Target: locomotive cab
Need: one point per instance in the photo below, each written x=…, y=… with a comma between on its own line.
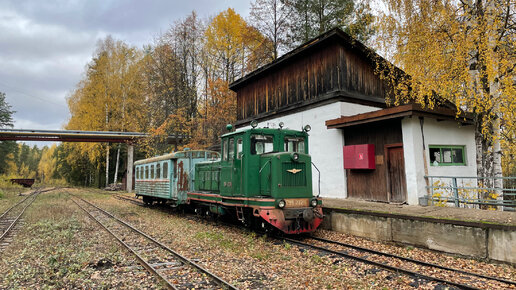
x=272, y=170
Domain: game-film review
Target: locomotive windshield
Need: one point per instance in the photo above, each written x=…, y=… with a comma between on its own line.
x=295, y=144
x=261, y=144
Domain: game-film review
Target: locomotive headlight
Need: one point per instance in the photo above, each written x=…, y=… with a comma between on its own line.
x=294, y=156
x=282, y=203
x=313, y=202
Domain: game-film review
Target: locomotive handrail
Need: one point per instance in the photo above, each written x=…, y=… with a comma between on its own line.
x=241, y=170
x=319, y=180
x=260, y=172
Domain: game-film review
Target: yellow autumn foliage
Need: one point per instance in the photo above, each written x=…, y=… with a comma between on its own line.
x=462, y=51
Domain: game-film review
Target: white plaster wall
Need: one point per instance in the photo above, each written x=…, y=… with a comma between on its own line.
x=325, y=145
x=413, y=155
x=436, y=133
x=349, y=109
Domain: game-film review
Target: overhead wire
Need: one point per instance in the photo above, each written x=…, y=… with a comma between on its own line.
x=32, y=96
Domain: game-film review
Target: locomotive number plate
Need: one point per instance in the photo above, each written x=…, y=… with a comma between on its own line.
x=297, y=202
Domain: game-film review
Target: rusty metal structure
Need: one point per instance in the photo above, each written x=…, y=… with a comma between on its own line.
x=128, y=138
x=76, y=136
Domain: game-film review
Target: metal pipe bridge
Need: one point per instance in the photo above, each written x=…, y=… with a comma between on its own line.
x=128, y=138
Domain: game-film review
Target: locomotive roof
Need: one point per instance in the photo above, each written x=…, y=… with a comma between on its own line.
x=267, y=131
x=174, y=155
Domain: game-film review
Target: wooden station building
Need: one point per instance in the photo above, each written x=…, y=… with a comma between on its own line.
x=363, y=148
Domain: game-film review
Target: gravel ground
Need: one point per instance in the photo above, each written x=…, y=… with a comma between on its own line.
x=471, y=265
x=60, y=247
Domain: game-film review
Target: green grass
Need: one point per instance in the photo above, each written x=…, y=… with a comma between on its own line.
x=216, y=238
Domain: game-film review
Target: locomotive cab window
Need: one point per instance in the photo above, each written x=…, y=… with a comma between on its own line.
x=231, y=153
x=239, y=148
x=295, y=144
x=261, y=144
x=225, y=150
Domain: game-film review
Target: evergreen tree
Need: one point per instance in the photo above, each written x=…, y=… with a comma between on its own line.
x=6, y=114
x=7, y=148
x=313, y=17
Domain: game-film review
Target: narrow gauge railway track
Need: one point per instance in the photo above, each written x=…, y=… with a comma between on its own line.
x=418, y=269
x=484, y=280
x=128, y=198
x=175, y=270
x=12, y=216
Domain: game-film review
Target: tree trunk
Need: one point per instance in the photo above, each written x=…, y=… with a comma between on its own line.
x=107, y=165
x=117, y=163
x=497, y=150
x=479, y=148
x=497, y=158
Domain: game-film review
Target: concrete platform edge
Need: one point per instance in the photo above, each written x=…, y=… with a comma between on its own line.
x=423, y=218
x=474, y=239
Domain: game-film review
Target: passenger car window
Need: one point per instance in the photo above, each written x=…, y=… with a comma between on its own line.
x=158, y=170
x=165, y=170
x=152, y=172
x=295, y=144
x=261, y=144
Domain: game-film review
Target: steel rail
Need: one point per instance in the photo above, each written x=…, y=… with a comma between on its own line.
x=217, y=279
x=142, y=261
x=11, y=226
x=385, y=266
x=130, y=199
x=21, y=201
x=388, y=255
x=419, y=262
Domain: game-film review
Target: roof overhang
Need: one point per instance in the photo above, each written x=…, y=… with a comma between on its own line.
x=409, y=110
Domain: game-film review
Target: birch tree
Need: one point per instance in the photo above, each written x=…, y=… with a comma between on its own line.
x=463, y=51
x=272, y=19
x=110, y=96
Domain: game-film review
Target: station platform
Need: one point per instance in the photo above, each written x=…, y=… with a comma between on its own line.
x=450, y=214
x=483, y=234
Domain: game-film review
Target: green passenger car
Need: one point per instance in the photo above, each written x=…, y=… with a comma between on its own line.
x=167, y=178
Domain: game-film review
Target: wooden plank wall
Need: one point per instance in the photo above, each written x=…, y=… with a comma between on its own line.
x=329, y=68
x=372, y=184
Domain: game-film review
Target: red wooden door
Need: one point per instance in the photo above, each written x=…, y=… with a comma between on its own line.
x=397, y=185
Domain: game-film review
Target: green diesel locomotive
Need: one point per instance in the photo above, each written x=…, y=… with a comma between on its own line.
x=263, y=178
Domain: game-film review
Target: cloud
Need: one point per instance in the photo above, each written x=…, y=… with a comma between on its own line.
x=46, y=45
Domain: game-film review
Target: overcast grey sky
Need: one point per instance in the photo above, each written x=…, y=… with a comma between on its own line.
x=45, y=45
